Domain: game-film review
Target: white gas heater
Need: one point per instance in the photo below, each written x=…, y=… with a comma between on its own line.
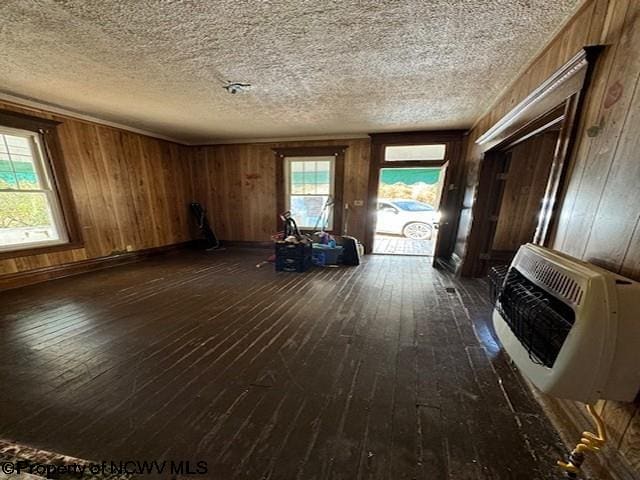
x=571, y=327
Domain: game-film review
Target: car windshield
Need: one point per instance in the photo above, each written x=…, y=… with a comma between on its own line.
x=413, y=206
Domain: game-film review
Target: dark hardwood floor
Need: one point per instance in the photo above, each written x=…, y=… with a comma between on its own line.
x=384, y=371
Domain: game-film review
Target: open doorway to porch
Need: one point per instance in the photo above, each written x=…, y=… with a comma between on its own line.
x=403, y=158
x=407, y=216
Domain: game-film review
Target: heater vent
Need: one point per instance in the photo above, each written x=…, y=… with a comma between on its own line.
x=572, y=328
x=537, y=319
x=552, y=279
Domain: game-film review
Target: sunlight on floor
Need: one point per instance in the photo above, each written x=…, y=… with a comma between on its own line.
x=396, y=245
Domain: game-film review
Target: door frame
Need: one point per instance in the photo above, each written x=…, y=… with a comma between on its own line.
x=495, y=173
x=452, y=139
x=557, y=99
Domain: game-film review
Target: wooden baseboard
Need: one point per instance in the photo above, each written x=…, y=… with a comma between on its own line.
x=38, y=275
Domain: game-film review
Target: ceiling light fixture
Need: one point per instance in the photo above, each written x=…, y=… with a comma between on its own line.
x=236, y=87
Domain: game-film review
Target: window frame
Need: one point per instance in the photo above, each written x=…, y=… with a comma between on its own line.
x=338, y=152
x=288, y=160
x=50, y=152
x=47, y=187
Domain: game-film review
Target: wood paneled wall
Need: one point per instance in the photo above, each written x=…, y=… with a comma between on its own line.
x=237, y=184
x=130, y=192
x=599, y=217
x=529, y=168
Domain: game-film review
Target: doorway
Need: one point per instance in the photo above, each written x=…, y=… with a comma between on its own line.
x=407, y=211
x=530, y=143
x=519, y=183
x=427, y=161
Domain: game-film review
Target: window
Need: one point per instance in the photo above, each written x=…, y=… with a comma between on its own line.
x=30, y=214
x=414, y=153
x=310, y=190
x=413, y=206
x=387, y=207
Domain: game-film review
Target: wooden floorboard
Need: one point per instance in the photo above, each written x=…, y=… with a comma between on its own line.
x=388, y=370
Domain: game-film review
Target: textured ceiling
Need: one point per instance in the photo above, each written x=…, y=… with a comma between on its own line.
x=318, y=67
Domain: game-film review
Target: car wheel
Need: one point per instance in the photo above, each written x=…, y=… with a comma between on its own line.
x=418, y=231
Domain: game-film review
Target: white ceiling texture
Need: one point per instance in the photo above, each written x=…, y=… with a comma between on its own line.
x=317, y=68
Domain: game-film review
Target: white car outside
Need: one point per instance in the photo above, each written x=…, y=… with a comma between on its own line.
x=411, y=218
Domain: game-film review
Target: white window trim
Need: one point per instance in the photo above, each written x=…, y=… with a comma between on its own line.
x=43, y=170
x=332, y=184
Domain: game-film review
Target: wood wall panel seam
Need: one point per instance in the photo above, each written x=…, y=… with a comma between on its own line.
x=592, y=184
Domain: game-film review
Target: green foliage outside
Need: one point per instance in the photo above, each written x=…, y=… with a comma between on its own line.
x=21, y=209
x=424, y=193
x=422, y=184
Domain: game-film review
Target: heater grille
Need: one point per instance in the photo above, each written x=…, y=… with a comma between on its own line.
x=539, y=320
x=553, y=280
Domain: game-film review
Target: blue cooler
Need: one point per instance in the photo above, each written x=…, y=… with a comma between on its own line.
x=331, y=254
